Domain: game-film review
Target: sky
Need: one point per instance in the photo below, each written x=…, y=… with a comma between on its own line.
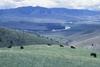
x=73, y=4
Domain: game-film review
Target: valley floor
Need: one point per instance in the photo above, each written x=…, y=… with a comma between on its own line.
x=44, y=56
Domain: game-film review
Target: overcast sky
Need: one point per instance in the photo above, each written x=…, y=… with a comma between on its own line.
x=76, y=4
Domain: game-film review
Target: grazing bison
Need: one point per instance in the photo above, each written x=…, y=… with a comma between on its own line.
x=61, y=45
x=10, y=46
x=93, y=55
x=21, y=47
x=49, y=44
x=73, y=47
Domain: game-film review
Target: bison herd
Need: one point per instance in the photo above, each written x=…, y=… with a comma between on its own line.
x=72, y=47
x=10, y=46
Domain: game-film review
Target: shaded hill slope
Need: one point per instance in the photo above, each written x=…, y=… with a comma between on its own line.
x=17, y=38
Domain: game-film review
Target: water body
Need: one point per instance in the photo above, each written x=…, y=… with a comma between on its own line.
x=66, y=28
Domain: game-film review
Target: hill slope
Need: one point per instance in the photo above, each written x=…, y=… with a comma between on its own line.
x=88, y=42
x=17, y=38
x=44, y=56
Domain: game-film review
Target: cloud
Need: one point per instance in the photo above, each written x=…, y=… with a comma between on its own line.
x=43, y=3
x=18, y=3
x=79, y=4
x=76, y=4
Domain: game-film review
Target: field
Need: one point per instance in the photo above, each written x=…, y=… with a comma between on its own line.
x=44, y=56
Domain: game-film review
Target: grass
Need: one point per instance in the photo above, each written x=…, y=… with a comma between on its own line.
x=44, y=56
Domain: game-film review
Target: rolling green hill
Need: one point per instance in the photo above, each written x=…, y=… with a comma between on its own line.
x=44, y=56
x=17, y=38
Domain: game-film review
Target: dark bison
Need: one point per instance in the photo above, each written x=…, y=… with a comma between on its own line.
x=49, y=44
x=93, y=55
x=73, y=47
x=21, y=47
x=10, y=46
x=61, y=45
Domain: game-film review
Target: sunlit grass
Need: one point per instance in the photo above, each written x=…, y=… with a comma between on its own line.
x=44, y=56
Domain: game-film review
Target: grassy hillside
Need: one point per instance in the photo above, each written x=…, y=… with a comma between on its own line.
x=44, y=56
x=81, y=39
x=17, y=38
x=64, y=36
x=88, y=42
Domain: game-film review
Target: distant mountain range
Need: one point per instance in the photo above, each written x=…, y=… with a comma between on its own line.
x=48, y=15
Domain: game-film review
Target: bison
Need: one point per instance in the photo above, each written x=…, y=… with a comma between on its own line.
x=49, y=44
x=93, y=55
x=10, y=46
x=61, y=45
x=21, y=47
x=73, y=47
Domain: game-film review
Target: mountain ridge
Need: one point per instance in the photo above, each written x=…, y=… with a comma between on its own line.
x=59, y=10
x=49, y=15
